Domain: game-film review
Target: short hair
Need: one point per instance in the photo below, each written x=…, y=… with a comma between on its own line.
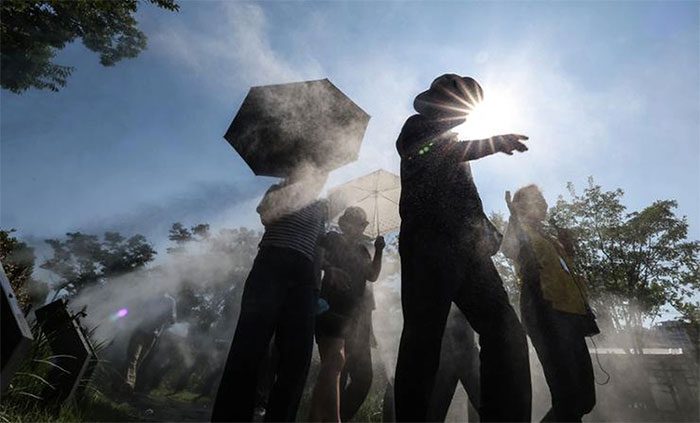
x=353, y=214
x=522, y=194
x=527, y=197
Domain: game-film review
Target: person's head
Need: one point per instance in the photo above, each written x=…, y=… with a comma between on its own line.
x=353, y=222
x=530, y=204
x=450, y=97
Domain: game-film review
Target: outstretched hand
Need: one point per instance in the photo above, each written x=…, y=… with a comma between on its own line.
x=509, y=143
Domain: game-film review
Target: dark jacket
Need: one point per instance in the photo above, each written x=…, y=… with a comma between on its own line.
x=437, y=185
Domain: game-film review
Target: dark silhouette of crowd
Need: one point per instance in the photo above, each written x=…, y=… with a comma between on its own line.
x=308, y=283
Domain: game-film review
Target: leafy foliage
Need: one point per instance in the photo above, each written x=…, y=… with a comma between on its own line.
x=82, y=260
x=32, y=31
x=504, y=266
x=637, y=264
x=18, y=262
x=181, y=235
x=206, y=304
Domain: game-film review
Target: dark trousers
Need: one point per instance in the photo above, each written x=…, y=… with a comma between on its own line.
x=279, y=298
x=561, y=348
x=358, y=365
x=459, y=362
x=438, y=270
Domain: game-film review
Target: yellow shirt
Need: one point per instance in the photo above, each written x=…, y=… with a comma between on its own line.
x=559, y=285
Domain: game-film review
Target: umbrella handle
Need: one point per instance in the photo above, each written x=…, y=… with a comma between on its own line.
x=376, y=213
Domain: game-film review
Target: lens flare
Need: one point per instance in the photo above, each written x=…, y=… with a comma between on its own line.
x=122, y=313
x=496, y=114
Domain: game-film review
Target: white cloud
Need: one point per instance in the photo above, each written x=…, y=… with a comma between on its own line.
x=233, y=49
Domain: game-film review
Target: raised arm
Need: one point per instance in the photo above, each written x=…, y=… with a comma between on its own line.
x=510, y=244
x=476, y=149
x=376, y=266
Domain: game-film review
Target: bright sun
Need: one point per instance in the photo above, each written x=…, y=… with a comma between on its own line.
x=495, y=115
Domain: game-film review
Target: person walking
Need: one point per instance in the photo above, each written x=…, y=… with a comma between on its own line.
x=279, y=298
x=347, y=267
x=459, y=363
x=553, y=304
x=160, y=313
x=446, y=243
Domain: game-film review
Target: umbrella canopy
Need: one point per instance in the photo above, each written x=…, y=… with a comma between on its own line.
x=281, y=127
x=377, y=194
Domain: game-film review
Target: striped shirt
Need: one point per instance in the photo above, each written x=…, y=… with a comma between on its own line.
x=299, y=230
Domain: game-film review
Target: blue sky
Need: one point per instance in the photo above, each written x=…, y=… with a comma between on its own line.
x=608, y=89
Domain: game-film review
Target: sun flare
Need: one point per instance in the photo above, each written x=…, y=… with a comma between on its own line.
x=496, y=114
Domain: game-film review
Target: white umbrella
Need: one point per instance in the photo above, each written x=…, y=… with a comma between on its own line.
x=377, y=194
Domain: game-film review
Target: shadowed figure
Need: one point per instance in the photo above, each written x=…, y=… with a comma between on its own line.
x=446, y=243
x=347, y=267
x=161, y=312
x=279, y=298
x=459, y=363
x=356, y=378
x=553, y=305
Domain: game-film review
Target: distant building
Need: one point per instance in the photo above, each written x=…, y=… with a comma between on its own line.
x=678, y=334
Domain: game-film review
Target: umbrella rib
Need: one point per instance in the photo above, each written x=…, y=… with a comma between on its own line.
x=376, y=203
x=363, y=199
x=388, y=199
x=362, y=189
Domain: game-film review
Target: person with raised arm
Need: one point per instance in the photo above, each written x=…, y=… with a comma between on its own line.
x=344, y=321
x=553, y=304
x=446, y=243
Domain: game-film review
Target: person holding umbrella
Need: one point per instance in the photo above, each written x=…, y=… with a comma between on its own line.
x=279, y=298
x=298, y=131
x=377, y=194
x=446, y=243
x=347, y=267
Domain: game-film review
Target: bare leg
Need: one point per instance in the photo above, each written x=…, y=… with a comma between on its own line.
x=325, y=402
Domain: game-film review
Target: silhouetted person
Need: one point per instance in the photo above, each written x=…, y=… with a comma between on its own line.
x=356, y=379
x=446, y=243
x=279, y=298
x=459, y=362
x=160, y=314
x=553, y=305
x=347, y=267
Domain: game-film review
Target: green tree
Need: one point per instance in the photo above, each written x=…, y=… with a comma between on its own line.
x=81, y=260
x=18, y=262
x=205, y=303
x=32, y=31
x=637, y=264
x=181, y=235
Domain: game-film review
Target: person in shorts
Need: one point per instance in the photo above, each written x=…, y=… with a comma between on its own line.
x=347, y=266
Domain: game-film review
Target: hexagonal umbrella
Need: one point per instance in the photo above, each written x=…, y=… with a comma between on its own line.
x=281, y=127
